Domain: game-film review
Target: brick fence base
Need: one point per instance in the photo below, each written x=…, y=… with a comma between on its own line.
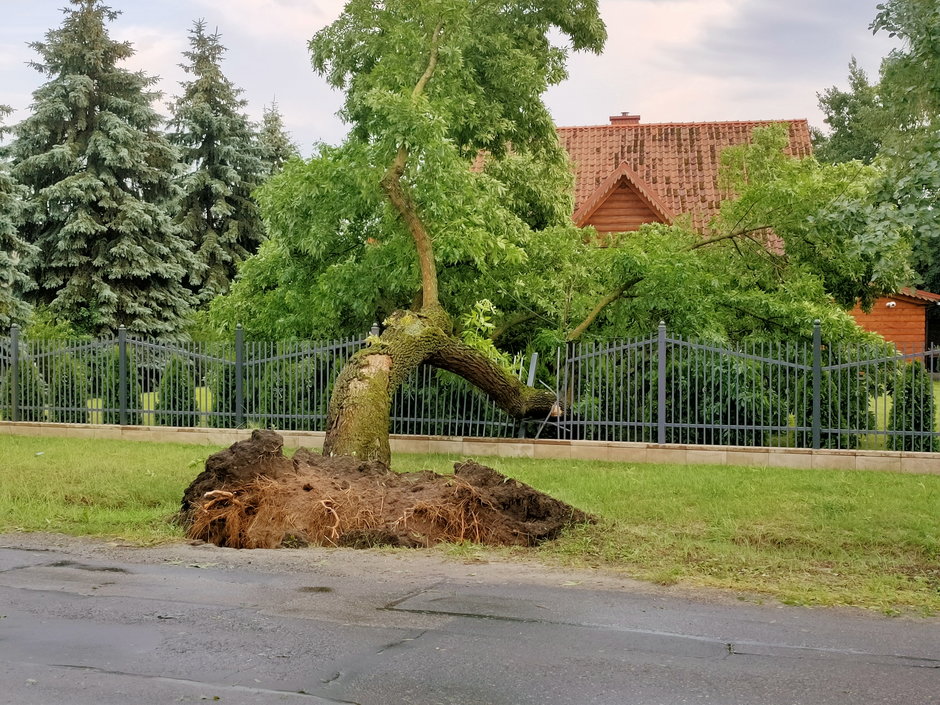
x=801, y=458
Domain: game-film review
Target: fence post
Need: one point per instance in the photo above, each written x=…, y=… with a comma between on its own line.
x=817, y=384
x=239, y=376
x=15, y=371
x=661, y=384
x=122, y=375
x=530, y=381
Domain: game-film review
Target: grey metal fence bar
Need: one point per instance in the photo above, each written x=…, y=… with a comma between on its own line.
x=664, y=389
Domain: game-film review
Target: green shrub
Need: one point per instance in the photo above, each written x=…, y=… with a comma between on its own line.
x=111, y=394
x=913, y=410
x=32, y=393
x=845, y=396
x=221, y=381
x=707, y=394
x=289, y=395
x=176, y=396
x=68, y=390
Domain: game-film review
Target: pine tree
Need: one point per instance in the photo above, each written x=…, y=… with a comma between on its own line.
x=97, y=169
x=219, y=150
x=274, y=141
x=13, y=249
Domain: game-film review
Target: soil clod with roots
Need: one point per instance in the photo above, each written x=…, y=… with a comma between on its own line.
x=252, y=496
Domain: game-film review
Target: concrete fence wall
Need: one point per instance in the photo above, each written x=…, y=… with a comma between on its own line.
x=800, y=458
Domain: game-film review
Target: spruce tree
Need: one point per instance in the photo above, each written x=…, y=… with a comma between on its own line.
x=274, y=142
x=13, y=249
x=98, y=169
x=219, y=150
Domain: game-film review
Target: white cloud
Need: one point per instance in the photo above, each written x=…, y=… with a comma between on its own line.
x=274, y=20
x=695, y=60
x=669, y=60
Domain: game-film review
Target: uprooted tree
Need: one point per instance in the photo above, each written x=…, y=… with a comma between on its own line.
x=446, y=214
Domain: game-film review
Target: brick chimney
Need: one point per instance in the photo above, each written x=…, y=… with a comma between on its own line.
x=625, y=119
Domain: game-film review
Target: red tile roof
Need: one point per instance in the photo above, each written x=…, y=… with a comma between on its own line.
x=674, y=164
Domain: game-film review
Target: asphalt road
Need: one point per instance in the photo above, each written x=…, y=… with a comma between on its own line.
x=86, y=623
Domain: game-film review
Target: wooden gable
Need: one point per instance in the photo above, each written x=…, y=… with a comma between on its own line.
x=623, y=211
x=622, y=203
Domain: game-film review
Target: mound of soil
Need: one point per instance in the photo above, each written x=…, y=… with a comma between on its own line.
x=251, y=496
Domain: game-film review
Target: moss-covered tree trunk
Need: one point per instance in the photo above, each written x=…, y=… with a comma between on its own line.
x=360, y=407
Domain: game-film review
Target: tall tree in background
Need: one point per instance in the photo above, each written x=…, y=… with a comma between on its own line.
x=222, y=166
x=274, y=142
x=910, y=75
x=910, y=89
x=856, y=120
x=14, y=280
x=97, y=171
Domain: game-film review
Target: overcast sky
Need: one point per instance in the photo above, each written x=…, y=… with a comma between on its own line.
x=668, y=60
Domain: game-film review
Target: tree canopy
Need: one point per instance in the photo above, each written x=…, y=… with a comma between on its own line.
x=856, y=119
x=910, y=89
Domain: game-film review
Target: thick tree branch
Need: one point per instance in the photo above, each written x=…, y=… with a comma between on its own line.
x=359, y=411
x=511, y=323
x=501, y=386
x=617, y=293
x=402, y=201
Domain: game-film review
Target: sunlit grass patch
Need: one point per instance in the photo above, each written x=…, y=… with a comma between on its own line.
x=805, y=537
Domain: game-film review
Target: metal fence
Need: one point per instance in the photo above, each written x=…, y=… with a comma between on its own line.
x=662, y=389
x=285, y=385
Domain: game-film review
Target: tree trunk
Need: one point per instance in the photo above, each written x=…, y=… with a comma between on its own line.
x=359, y=414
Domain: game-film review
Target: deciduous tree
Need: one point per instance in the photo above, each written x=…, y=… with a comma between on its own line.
x=856, y=120
x=910, y=87
x=452, y=189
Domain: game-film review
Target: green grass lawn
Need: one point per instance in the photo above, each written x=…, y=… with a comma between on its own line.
x=804, y=537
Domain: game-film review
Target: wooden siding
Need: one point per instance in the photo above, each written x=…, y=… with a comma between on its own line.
x=904, y=324
x=623, y=211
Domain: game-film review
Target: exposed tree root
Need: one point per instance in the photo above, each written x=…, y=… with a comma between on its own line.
x=341, y=501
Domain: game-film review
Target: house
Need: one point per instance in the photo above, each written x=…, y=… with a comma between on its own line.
x=628, y=173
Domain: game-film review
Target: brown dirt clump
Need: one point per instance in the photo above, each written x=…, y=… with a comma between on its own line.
x=251, y=496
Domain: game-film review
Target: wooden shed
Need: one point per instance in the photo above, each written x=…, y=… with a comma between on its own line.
x=903, y=318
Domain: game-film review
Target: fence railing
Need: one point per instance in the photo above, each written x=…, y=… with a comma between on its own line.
x=661, y=389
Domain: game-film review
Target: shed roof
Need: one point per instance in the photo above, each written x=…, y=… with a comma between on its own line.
x=918, y=296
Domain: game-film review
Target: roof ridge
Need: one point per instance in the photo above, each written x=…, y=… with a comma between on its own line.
x=633, y=126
